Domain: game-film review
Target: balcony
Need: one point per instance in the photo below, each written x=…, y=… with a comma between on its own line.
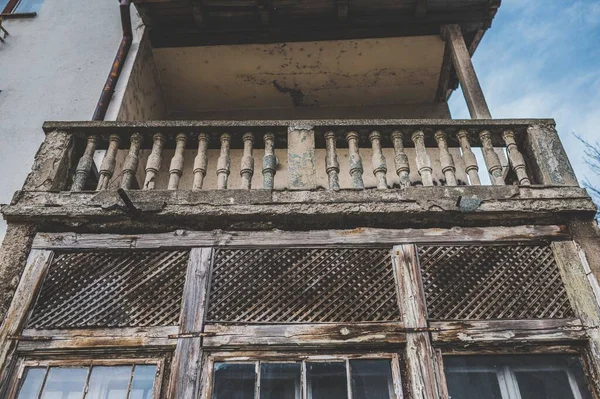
x=307, y=174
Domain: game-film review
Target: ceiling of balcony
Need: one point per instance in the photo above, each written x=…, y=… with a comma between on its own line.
x=402, y=70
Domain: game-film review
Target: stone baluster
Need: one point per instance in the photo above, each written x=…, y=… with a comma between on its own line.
x=379, y=165
x=516, y=158
x=84, y=167
x=201, y=161
x=131, y=161
x=356, y=168
x=176, y=167
x=269, y=161
x=154, y=161
x=224, y=162
x=107, y=168
x=332, y=165
x=422, y=159
x=446, y=160
x=469, y=158
x=492, y=160
x=401, y=159
x=247, y=164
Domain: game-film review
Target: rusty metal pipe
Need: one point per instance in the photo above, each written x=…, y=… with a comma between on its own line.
x=117, y=67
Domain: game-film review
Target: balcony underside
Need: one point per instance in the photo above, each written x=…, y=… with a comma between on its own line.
x=418, y=207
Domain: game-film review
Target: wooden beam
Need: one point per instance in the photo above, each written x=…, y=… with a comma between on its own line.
x=278, y=238
x=466, y=73
x=420, y=358
x=184, y=381
x=473, y=332
x=122, y=338
x=319, y=335
x=16, y=316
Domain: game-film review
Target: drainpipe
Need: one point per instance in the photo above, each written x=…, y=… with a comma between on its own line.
x=115, y=72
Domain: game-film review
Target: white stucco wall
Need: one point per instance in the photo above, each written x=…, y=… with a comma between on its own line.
x=52, y=67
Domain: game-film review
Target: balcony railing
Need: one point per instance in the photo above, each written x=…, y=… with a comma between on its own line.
x=310, y=155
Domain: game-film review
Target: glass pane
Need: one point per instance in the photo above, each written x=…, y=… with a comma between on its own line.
x=109, y=382
x=544, y=385
x=142, y=386
x=473, y=385
x=327, y=381
x=234, y=381
x=280, y=381
x=371, y=379
x=34, y=377
x=29, y=6
x=65, y=383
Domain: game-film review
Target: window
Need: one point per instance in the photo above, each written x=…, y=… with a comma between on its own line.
x=515, y=377
x=331, y=378
x=20, y=6
x=122, y=381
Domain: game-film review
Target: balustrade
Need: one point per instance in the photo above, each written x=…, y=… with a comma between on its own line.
x=223, y=156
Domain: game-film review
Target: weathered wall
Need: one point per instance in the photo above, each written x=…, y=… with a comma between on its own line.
x=53, y=68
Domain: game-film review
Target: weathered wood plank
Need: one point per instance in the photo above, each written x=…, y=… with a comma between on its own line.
x=507, y=331
x=184, y=380
x=421, y=361
x=279, y=238
x=130, y=337
x=31, y=281
x=226, y=336
x=466, y=73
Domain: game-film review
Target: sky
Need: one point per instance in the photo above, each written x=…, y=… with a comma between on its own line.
x=541, y=59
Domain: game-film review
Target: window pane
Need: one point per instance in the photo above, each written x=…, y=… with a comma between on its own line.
x=371, y=379
x=327, y=381
x=32, y=383
x=473, y=385
x=109, y=382
x=65, y=383
x=29, y=6
x=234, y=381
x=544, y=385
x=142, y=386
x=280, y=381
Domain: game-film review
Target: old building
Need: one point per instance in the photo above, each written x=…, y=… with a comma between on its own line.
x=282, y=207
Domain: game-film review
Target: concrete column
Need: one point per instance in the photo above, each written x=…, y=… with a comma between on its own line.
x=52, y=162
x=302, y=170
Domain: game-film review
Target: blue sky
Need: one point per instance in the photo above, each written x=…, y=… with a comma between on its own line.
x=541, y=59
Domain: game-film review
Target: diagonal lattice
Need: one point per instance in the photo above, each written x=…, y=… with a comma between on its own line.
x=112, y=289
x=492, y=282
x=303, y=285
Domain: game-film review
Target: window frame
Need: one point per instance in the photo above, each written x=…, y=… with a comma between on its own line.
x=25, y=362
x=257, y=358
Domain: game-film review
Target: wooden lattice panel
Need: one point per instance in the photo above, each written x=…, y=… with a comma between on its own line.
x=492, y=282
x=112, y=289
x=303, y=285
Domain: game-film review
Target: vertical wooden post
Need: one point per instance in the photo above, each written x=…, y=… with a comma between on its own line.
x=446, y=160
x=421, y=360
x=469, y=158
x=422, y=159
x=184, y=381
x=131, y=161
x=176, y=167
x=247, y=164
x=201, y=161
x=356, y=167
x=378, y=160
x=401, y=159
x=107, y=168
x=31, y=282
x=332, y=165
x=269, y=162
x=302, y=170
x=84, y=167
x=224, y=162
x=466, y=73
x=154, y=161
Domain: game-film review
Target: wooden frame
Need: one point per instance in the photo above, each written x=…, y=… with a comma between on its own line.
x=422, y=342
